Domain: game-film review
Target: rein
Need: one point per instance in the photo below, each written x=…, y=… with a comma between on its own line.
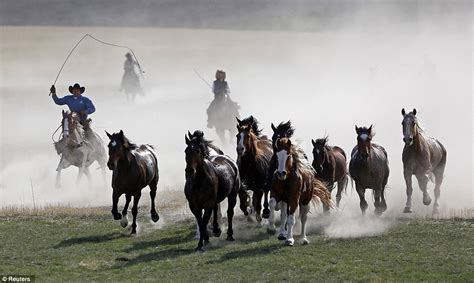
x=55, y=131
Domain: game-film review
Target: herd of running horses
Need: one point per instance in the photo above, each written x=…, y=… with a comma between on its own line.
x=276, y=170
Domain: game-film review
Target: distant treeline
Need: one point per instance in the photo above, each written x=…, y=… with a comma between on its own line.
x=302, y=15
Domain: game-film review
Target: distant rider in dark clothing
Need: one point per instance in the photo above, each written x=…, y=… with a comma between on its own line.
x=220, y=88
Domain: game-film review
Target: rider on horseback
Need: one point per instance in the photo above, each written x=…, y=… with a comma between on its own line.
x=220, y=88
x=78, y=104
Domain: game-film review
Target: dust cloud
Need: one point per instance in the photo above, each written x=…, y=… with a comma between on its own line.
x=361, y=71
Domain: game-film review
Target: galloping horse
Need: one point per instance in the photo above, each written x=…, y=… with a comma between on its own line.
x=423, y=157
x=369, y=169
x=224, y=114
x=254, y=153
x=330, y=165
x=294, y=185
x=209, y=180
x=76, y=150
x=134, y=167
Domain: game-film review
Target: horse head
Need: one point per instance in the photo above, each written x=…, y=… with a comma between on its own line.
x=409, y=126
x=194, y=152
x=364, y=140
x=284, y=157
x=118, y=147
x=319, y=153
x=245, y=137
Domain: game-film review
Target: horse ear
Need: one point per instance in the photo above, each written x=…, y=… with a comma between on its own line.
x=109, y=135
x=313, y=142
x=121, y=133
x=273, y=128
x=186, y=139
x=403, y=112
x=238, y=120
x=189, y=134
x=326, y=140
x=370, y=129
x=251, y=119
x=357, y=129
x=414, y=111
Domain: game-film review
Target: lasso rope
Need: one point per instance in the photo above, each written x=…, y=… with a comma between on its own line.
x=100, y=41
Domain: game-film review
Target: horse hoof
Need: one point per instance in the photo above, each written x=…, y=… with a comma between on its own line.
x=407, y=210
x=259, y=225
x=134, y=232
x=289, y=243
x=230, y=238
x=117, y=216
x=206, y=241
x=200, y=250
x=217, y=232
x=435, y=210
x=266, y=213
x=304, y=241
x=378, y=211
x=124, y=222
x=281, y=237
x=155, y=217
x=271, y=231
x=426, y=200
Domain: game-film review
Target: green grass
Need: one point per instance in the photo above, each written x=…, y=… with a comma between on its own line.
x=94, y=247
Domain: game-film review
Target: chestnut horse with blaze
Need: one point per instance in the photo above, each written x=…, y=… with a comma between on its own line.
x=134, y=167
x=294, y=185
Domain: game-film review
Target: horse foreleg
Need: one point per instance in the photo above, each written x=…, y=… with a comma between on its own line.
x=282, y=235
x=304, y=209
x=291, y=222
x=58, y=174
x=205, y=221
x=198, y=215
x=423, y=183
x=377, y=203
x=136, y=199
x=231, y=201
x=216, y=230
x=257, y=204
x=88, y=175
x=363, y=203
x=271, y=217
x=341, y=185
x=115, y=199
x=408, y=182
x=124, y=221
x=325, y=206
x=266, y=211
x=82, y=167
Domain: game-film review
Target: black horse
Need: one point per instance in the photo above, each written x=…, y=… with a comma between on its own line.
x=369, y=169
x=210, y=178
x=254, y=153
x=134, y=167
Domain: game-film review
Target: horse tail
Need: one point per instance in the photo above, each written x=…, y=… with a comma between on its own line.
x=321, y=193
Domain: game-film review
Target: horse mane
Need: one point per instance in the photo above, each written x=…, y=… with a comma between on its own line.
x=287, y=128
x=301, y=162
x=253, y=122
x=128, y=144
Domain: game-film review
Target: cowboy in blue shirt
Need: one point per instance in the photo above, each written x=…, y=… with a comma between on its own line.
x=76, y=102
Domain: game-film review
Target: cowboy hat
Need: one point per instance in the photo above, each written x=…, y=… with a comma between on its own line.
x=76, y=85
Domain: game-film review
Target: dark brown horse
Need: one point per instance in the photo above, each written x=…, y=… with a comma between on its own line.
x=423, y=157
x=369, y=169
x=209, y=180
x=330, y=164
x=134, y=167
x=294, y=185
x=254, y=153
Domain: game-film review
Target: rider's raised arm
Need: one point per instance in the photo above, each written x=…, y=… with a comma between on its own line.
x=59, y=101
x=90, y=108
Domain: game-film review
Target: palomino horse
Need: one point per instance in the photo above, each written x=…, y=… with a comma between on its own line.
x=254, y=153
x=209, y=180
x=134, y=167
x=294, y=185
x=330, y=164
x=76, y=150
x=224, y=114
x=423, y=157
x=369, y=169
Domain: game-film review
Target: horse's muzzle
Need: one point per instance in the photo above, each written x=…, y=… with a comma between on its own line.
x=240, y=150
x=281, y=175
x=110, y=165
x=408, y=141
